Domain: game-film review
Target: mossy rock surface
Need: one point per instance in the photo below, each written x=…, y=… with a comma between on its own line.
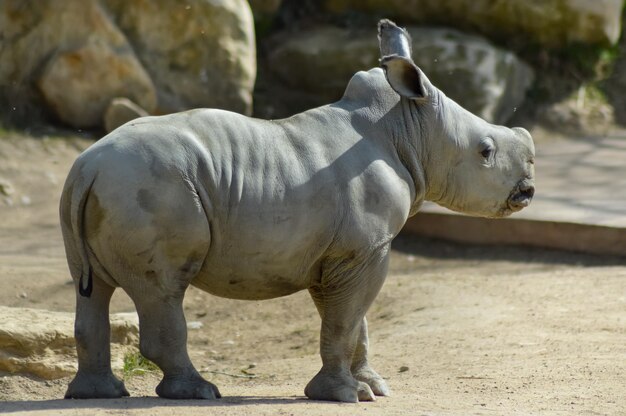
x=553, y=23
x=484, y=79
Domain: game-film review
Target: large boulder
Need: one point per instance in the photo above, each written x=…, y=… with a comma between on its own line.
x=70, y=55
x=79, y=84
x=547, y=22
x=41, y=343
x=199, y=53
x=73, y=57
x=486, y=80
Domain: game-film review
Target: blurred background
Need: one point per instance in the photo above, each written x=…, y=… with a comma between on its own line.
x=555, y=63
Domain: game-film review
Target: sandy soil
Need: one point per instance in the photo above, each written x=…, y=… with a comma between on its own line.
x=457, y=329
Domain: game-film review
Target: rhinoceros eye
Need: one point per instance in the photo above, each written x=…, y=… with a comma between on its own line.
x=487, y=148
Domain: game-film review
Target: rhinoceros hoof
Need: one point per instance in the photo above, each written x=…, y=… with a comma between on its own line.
x=94, y=386
x=372, y=379
x=339, y=388
x=194, y=387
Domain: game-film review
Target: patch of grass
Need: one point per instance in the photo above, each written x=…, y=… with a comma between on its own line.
x=136, y=364
x=591, y=61
x=7, y=132
x=594, y=94
x=574, y=71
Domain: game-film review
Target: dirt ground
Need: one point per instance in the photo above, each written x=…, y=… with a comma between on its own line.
x=456, y=330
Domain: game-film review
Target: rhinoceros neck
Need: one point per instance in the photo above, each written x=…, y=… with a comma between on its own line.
x=408, y=131
x=379, y=114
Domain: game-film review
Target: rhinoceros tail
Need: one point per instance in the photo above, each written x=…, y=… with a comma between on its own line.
x=77, y=195
x=78, y=225
x=86, y=290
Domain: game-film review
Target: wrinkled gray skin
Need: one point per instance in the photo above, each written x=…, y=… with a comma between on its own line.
x=253, y=209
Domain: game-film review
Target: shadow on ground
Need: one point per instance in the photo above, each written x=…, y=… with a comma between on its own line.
x=131, y=403
x=444, y=250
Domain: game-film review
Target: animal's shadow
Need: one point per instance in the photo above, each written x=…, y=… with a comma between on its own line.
x=132, y=403
x=438, y=249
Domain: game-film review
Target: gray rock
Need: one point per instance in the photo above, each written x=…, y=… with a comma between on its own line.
x=546, y=22
x=486, y=80
x=489, y=81
x=584, y=113
x=41, y=343
x=198, y=53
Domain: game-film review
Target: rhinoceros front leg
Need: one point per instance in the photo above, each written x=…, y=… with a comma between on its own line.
x=163, y=339
x=92, y=330
x=347, y=290
x=361, y=369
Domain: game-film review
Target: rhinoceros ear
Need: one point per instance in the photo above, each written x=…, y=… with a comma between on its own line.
x=393, y=40
x=404, y=77
x=402, y=74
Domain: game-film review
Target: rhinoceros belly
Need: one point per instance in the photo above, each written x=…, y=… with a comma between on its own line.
x=264, y=252
x=256, y=275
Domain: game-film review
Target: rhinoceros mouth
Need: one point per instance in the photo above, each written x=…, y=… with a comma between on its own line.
x=520, y=197
x=512, y=205
x=519, y=204
x=505, y=211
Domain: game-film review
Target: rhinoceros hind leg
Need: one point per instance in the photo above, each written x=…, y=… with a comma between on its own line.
x=92, y=332
x=163, y=339
x=361, y=369
x=95, y=386
x=347, y=289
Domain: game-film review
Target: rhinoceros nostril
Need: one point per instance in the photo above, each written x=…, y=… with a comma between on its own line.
x=527, y=191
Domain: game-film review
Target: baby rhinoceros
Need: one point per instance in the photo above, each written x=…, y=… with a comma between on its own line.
x=252, y=209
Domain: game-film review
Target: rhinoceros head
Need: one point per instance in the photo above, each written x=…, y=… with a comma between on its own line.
x=469, y=165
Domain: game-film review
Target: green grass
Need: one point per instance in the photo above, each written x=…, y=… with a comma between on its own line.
x=136, y=364
x=594, y=94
